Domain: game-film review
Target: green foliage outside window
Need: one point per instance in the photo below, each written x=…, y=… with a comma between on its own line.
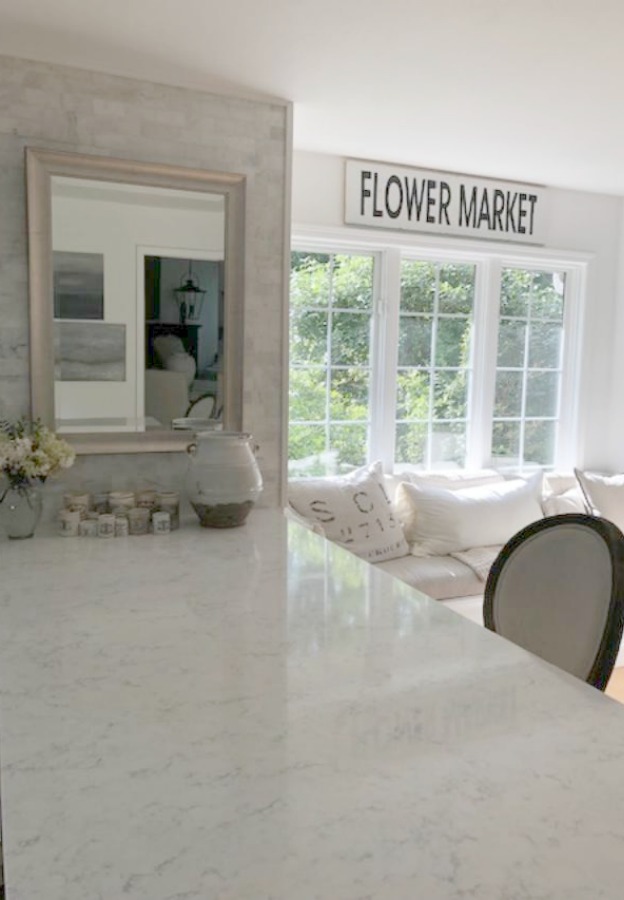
x=435, y=327
x=330, y=331
x=331, y=302
x=528, y=373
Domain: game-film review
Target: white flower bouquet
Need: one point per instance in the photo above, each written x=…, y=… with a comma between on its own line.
x=29, y=452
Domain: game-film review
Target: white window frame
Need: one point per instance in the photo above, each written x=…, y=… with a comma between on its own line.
x=388, y=250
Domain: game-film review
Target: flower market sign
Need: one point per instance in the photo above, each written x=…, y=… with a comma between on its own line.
x=385, y=196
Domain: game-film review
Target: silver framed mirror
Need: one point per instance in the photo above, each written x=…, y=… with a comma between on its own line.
x=68, y=328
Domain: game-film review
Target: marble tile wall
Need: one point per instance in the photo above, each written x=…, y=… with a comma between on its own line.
x=62, y=108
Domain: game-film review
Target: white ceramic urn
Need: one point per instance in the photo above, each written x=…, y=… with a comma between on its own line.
x=223, y=479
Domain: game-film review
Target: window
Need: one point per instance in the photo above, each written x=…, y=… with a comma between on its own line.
x=433, y=372
x=528, y=368
x=330, y=350
x=432, y=358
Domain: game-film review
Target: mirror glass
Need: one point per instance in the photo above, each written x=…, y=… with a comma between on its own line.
x=139, y=325
x=136, y=276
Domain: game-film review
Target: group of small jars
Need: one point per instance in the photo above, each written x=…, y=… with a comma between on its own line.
x=119, y=513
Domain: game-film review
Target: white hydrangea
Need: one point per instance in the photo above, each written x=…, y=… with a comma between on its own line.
x=26, y=455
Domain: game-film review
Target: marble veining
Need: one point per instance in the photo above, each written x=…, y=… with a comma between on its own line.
x=254, y=713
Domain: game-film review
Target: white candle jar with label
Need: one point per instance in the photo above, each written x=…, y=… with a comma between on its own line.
x=223, y=480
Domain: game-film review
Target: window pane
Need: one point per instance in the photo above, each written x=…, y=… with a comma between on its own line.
x=450, y=395
x=545, y=346
x=309, y=279
x=511, y=336
x=308, y=337
x=350, y=339
x=348, y=442
x=506, y=441
x=306, y=451
x=418, y=280
x=448, y=443
x=542, y=388
x=352, y=282
x=415, y=340
x=330, y=281
x=411, y=442
x=515, y=292
x=547, y=300
x=307, y=393
x=412, y=395
x=349, y=394
x=508, y=394
x=532, y=343
x=456, y=288
x=452, y=342
x=539, y=443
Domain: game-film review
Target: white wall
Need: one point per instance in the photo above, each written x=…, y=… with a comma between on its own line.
x=69, y=109
x=579, y=222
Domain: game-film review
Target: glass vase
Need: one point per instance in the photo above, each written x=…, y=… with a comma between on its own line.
x=21, y=510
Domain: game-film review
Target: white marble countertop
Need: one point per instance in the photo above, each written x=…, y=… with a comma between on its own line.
x=205, y=716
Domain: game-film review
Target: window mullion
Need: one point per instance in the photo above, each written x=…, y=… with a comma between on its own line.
x=384, y=356
x=330, y=314
x=483, y=369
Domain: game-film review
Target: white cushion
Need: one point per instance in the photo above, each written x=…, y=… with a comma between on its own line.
x=604, y=495
x=182, y=362
x=559, y=482
x=571, y=501
x=166, y=345
x=440, y=577
x=453, y=479
x=443, y=521
x=353, y=510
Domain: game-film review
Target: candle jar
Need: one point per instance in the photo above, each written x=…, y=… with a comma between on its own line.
x=138, y=520
x=106, y=525
x=121, y=526
x=169, y=501
x=77, y=503
x=100, y=503
x=223, y=479
x=88, y=528
x=69, y=522
x=146, y=499
x=161, y=522
x=121, y=501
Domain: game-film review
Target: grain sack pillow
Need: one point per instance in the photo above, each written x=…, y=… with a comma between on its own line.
x=447, y=521
x=353, y=511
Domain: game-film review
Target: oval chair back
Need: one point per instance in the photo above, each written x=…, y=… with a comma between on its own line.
x=557, y=589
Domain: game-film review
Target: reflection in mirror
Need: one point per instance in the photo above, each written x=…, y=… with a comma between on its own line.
x=138, y=284
x=136, y=276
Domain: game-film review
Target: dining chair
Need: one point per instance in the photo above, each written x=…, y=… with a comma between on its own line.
x=557, y=589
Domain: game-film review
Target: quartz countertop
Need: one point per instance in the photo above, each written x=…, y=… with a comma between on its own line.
x=254, y=713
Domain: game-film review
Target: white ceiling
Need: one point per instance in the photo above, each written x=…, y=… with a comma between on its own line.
x=519, y=89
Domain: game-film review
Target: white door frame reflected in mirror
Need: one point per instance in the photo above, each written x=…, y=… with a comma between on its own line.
x=41, y=166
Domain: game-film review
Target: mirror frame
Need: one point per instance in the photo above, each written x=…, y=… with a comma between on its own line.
x=41, y=166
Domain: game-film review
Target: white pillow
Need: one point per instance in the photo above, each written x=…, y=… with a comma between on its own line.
x=604, y=495
x=443, y=522
x=571, y=501
x=165, y=345
x=452, y=479
x=354, y=511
